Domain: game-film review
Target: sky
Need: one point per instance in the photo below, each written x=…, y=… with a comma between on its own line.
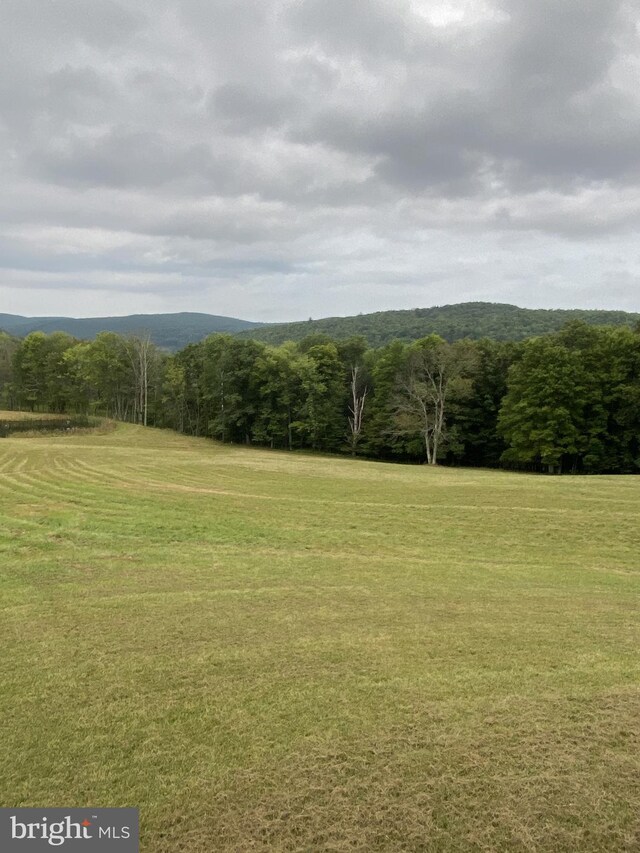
x=285, y=159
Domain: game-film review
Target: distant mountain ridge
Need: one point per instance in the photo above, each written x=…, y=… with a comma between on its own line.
x=467, y=319
x=170, y=331
x=475, y=320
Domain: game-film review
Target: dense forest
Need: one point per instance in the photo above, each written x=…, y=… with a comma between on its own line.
x=475, y=320
x=566, y=401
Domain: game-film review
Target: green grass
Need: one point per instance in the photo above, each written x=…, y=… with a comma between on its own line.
x=267, y=651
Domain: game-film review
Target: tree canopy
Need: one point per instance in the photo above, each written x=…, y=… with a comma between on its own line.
x=567, y=401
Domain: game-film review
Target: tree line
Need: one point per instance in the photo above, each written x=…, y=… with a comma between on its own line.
x=567, y=401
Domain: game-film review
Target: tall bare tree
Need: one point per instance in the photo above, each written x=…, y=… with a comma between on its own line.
x=436, y=371
x=356, y=408
x=141, y=352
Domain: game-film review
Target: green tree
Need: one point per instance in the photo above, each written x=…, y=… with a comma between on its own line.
x=279, y=375
x=109, y=373
x=475, y=418
x=40, y=371
x=8, y=348
x=321, y=415
x=378, y=438
x=80, y=392
x=174, y=396
x=229, y=389
x=543, y=415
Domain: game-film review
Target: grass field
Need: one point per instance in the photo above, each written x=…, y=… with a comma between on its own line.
x=267, y=651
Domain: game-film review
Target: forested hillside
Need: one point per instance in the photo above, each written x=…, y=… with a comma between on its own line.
x=474, y=320
x=168, y=331
x=567, y=401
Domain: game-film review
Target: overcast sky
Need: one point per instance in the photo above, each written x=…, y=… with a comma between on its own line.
x=281, y=159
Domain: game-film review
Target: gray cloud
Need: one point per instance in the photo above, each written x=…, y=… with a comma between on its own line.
x=241, y=109
x=297, y=157
x=360, y=28
x=57, y=23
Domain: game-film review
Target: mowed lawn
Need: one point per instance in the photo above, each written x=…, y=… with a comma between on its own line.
x=266, y=651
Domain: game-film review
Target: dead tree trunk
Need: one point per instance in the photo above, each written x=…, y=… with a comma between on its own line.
x=356, y=409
